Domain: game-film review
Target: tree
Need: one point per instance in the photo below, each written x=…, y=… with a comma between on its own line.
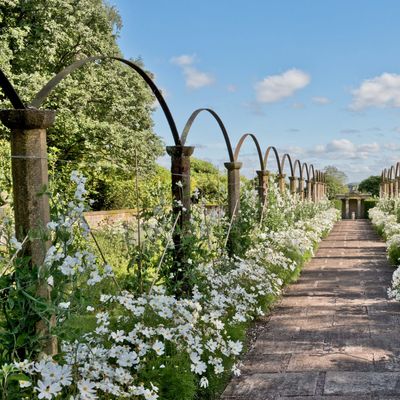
x=335, y=181
x=370, y=185
x=103, y=109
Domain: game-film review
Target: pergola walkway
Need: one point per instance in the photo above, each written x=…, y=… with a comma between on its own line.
x=334, y=335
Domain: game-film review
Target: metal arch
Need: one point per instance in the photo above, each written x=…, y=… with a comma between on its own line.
x=284, y=157
x=257, y=144
x=392, y=172
x=297, y=162
x=192, y=118
x=397, y=173
x=302, y=170
x=10, y=92
x=52, y=83
x=385, y=173
x=276, y=157
x=311, y=166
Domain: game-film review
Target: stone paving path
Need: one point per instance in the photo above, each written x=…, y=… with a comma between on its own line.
x=334, y=335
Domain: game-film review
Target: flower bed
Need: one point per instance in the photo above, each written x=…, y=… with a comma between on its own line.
x=123, y=342
x=385, y=216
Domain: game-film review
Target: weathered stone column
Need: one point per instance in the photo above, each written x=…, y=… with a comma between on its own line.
x=180, y=180
x=180, y=187
x=263, y=177
x=347, y=209
x=31, y=201
x=309, y=189
x=301, y=188
x=391, y=187
x=314, y=190
x=397, y=187
x=282, y=183
x=358, y=208
x=292, y=185
x=233, y=169
x=386, y=188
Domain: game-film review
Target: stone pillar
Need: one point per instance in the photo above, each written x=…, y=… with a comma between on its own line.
x=180, y=180
x=301, y=188
x=386, y=188
x=314, y=190
x=233, y=169
x=180, y=187
x=282, y=183
x=391, y=186
x=31, y=202
x=358, y=208
x=397, y=190
x=309, y=189
x=292, y=185
x=263, y=177
x=347, y=209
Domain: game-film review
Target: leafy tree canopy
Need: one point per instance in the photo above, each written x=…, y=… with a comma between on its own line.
x=335, y=180
x=370, y=185
x=103, y=109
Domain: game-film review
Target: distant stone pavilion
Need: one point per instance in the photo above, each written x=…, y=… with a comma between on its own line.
x=353, y=204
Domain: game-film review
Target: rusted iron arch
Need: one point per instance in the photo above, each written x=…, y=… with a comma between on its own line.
x=192, y=118
x=397, y=173
x=311, y=167
x=276, y=157
x=385, y=173
x=302, y=170
x=10, y=92
x=257, y=144
x=298, y=163
x=284, y=157
x=392, y=172
x=52, y=83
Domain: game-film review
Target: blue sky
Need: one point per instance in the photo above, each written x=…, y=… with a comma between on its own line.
x=317, y=79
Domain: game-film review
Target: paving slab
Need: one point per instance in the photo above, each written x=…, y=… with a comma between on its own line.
x=335, y=334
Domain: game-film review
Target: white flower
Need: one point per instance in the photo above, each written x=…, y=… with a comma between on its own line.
x=52, y=225
x=159, y=348
x=50, y=281
x=24, y=384
x=47, y=390
x=87, y=390
x=15, y=244
x=203, y=382
x=65, y=305
x=89, y=308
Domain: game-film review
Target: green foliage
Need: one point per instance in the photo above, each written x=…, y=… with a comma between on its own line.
x=104, y=109
x=209, y=181
x=370, y=185
x=337, y=204
x=5, y=172
x=335, y=181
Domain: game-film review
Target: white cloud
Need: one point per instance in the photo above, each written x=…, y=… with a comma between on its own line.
x=231, y=88
x=381, y=91
x=341, y=145
x=298, y=106
x=184, y=59
x=276, y=87
x=194, y=78
x=320, y=100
